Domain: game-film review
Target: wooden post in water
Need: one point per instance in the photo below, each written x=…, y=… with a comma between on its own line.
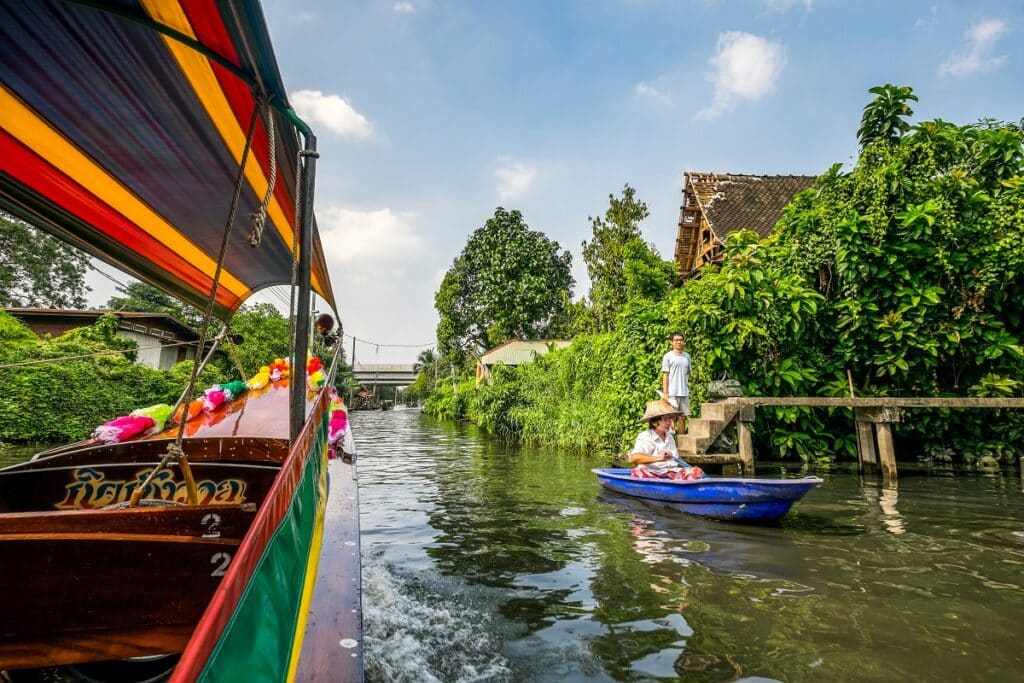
x=886, y=452
x=746, y=441
x=867, y=458
x=883, y=418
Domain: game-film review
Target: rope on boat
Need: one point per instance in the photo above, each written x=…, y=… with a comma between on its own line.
x=108, y=352
x=173, y=451
x=174, y=448
x=233, y=351
x=259, y=218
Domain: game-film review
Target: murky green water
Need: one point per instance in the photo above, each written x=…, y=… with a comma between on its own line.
x=11, y=455
x=487, y=562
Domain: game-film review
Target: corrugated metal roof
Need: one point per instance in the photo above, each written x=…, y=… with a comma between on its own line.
x=517, y=351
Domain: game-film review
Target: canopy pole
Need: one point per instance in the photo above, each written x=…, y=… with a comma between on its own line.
x=297, y=397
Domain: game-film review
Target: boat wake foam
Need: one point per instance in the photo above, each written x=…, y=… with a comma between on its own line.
x=417, y=629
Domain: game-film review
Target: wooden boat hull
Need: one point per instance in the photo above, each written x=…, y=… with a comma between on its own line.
x=732, y=499
x=216, y=582
x=85, y=575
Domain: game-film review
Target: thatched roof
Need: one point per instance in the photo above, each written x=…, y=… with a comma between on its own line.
x=734, y=202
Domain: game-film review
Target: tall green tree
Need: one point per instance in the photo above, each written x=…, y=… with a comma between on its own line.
x=508, y=282
x=605, y=252
x=37, y=270
x=885, y=117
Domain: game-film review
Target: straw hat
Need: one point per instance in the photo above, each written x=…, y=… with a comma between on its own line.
x=656, y=409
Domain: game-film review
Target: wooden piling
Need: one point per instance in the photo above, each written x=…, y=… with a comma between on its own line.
x=886, y=452
x=746, y=447
x=866, y=455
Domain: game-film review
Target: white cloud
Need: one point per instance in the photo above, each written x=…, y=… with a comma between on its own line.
x=786, y=5
x=976, y=56
x=404, y=7
x=745, y=67
x=332, y=111
x=514, y=180
x=648, y=91
x=923, y=22
x=368, y=243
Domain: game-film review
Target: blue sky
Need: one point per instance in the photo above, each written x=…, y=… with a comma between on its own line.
x=431, y=114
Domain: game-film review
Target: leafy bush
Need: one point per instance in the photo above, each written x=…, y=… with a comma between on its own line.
x=907, y=271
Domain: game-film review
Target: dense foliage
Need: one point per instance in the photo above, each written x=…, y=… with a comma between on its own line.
x=37, y=270
x=604, y=253
x=66, y=400
x=907, y=271
x=509, y=282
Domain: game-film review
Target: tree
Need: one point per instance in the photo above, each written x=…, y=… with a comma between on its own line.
x=884, y=116
x=604, y=253
x=38, y=270
x=508, y=282
x=267, y=335
x=139, y=296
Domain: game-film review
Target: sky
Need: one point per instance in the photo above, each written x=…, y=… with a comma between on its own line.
x=431, y=114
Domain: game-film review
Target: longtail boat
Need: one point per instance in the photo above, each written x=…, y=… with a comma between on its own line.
x=156, y=135
x=725, y=498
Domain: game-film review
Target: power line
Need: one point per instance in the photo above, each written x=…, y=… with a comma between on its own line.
x=390, y=346
x=109, y=277
x=92, y=355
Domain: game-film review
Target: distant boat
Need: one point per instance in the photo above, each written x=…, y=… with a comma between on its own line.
x=732, y=499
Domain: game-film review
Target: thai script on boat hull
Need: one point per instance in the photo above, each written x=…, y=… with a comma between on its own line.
x=90, y=490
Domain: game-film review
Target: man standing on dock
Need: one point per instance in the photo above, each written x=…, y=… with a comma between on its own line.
x=675, y=379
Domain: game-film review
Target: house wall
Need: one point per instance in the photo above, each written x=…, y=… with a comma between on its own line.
x=158, y=359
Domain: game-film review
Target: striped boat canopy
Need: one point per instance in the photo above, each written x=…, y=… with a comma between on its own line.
x=123, y=126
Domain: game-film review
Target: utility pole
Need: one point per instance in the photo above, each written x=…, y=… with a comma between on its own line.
x=351, y=382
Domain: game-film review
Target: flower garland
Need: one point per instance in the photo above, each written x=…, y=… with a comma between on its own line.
x=152, y=420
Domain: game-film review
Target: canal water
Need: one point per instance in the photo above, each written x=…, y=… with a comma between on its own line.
x=488, y=562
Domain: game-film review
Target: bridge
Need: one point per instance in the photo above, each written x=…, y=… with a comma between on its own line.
x=383, y=374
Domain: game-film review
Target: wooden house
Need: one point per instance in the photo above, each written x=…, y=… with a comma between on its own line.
x=716, y=204
x=163, y=340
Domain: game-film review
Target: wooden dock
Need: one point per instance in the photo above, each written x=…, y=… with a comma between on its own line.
x=873, y=420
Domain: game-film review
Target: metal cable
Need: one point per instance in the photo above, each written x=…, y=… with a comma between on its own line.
x=92, y=355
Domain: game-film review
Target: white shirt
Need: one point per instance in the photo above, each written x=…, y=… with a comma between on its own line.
x=649, y=443
x=678, y=369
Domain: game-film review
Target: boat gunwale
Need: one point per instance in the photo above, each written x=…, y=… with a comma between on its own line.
x=616, y=473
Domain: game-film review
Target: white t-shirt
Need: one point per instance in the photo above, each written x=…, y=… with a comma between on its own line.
x=678, y=369
x=649, y=443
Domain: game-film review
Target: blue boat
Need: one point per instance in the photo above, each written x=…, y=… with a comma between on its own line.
x=742, y=500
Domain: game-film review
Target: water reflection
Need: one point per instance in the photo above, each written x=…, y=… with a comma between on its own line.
x=885, y=496
x=559, y=580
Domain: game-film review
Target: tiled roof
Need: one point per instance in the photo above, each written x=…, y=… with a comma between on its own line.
x=745, y=202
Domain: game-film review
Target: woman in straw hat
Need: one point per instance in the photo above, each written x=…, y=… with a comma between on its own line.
x=655, y=454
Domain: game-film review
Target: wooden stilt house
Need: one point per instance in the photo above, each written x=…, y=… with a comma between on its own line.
x=715, y=204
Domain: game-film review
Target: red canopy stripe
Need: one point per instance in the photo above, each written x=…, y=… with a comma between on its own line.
x=30, y=169
x=24, y=125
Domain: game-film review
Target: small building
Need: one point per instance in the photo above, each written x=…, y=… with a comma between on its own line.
x=515, y=352
x=716, y=204
x=153, y=332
